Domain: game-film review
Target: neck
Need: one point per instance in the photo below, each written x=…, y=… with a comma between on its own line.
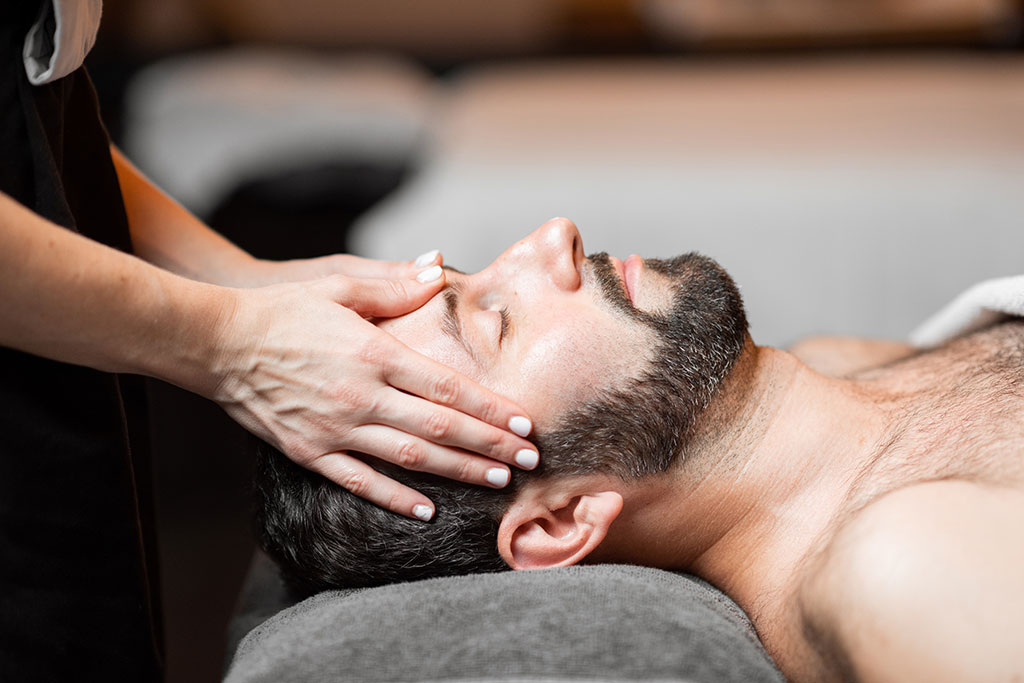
x=760, y=488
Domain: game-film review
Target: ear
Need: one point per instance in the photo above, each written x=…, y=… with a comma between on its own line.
x=535, y=534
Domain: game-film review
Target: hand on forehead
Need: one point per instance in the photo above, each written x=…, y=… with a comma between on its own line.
x=532, y=326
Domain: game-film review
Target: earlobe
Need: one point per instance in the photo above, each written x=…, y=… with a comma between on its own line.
x=536, y=535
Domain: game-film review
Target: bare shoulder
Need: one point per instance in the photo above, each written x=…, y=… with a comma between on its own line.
x=925, y=583
x=838, y=356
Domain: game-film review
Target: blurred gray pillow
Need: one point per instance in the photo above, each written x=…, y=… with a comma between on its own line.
x=605, y=623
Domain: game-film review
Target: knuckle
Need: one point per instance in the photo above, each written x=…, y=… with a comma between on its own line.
x=396, y=288
x=446, y=389
x=466, y=471
x=394, y=501
x=489, y=410
x=409, y=456
x=356, y=483
x=373, y=404
x=340, y=284
x=438, y=426
x=347, y=395
x=372, y=351
x=494, y=443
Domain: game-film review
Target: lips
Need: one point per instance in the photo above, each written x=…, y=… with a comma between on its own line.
x=620, y=270
x=631, y=274
x=628, y=272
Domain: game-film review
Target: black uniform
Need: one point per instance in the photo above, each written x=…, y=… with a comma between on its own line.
x=78, y=591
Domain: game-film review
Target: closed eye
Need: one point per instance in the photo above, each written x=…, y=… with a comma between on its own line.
x=505, y=322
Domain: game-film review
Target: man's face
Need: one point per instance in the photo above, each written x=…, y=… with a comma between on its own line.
x=614, y=362
x=542, y=324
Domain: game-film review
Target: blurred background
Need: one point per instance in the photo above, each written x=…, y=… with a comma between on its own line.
x=854, y=164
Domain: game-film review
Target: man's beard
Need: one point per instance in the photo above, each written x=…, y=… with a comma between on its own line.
x=643, y=428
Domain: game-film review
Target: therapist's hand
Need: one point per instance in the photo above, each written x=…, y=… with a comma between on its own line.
x=304, y=370
x=259, y=272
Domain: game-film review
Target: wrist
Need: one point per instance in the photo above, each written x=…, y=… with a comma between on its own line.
x=193, y=338
x=245, y=271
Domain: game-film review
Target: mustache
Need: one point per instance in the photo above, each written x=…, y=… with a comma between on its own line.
x=613, y=290
x=607, y=281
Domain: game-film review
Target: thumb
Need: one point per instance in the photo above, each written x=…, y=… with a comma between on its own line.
x=387, y=298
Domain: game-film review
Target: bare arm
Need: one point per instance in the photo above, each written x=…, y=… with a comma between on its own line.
x=71, y=299
x=167, y=235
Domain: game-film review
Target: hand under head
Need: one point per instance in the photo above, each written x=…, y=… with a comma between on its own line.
x=615, y=363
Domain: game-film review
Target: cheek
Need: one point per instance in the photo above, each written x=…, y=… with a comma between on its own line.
x=566, y=365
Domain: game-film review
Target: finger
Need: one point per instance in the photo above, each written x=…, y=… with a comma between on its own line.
x=362, y=480
x=413, y=453
x=356, y=266
x=386, y=298
x=448, y=427
x=416, y=374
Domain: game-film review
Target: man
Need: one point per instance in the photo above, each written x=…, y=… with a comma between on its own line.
x=871, y=524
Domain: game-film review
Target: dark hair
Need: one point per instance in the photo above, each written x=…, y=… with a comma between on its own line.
x=324, y=537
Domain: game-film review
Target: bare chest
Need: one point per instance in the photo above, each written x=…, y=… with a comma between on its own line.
x=961, y=418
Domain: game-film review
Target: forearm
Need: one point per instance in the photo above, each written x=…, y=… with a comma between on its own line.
x=167, y=235
x=68, y=298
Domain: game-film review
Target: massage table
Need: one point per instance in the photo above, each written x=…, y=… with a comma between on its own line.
x=585, y=623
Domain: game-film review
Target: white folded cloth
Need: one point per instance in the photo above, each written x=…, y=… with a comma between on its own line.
x=60, y=39
x=980, y=306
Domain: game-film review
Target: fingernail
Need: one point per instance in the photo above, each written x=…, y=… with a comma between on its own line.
x=497, y=476
x=429, y=275
x=520, y=425
x=424, y=512
x=427, y=259
x=527, y=459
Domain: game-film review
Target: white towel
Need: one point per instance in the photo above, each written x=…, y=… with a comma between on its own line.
x=60, y=39
x=981, y=305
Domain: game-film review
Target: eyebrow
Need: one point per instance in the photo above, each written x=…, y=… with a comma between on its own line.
x=451, y=324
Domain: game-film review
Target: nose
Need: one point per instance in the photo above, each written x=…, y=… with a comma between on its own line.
x=554, y=250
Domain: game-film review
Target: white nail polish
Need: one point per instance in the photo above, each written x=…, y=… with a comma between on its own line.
x=527, y=459
x=429, y=275
x=427, y=259
x=497, y=476
x=520, y=425
x=424, y=512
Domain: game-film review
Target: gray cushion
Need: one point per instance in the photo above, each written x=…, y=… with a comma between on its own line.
x=604, y=623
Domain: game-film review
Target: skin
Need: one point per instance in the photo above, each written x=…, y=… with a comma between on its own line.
x=849, y=570
x=554, y=310
x=284, y=347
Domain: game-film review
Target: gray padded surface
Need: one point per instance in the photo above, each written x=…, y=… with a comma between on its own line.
x=599, y=623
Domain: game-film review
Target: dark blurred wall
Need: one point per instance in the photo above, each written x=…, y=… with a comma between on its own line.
x=457, y=30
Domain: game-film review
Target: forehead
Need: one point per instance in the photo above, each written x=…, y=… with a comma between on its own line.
x=561, y=349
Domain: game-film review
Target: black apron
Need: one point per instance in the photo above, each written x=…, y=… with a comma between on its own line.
x=78, y=582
